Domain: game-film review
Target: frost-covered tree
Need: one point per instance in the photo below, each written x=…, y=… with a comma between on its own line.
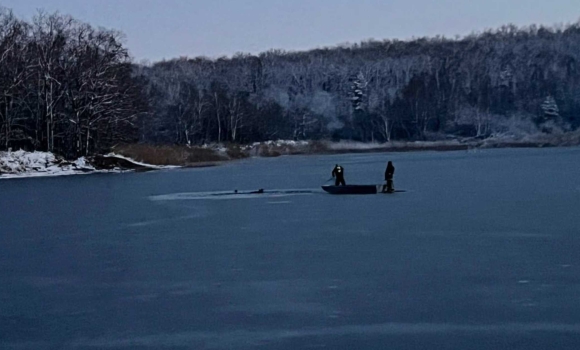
x=394, y=89
x=68, y=87
x=550, y=108
x=65, y=86
x=476, y=119
x=359, y=86
x=551, y=121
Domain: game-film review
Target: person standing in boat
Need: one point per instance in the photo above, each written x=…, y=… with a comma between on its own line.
x=389, y=173
x=338, y=175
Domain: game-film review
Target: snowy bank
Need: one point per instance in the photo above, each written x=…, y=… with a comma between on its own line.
x=113, y=160
x=282, y=147
x=28, y=164
x=289, y=147
x=34, y=164
x=445, y=143
x=352, y=146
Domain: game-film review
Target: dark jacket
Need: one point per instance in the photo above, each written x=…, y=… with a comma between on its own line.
x=390, y=172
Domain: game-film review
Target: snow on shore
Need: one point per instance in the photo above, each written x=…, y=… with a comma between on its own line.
x=33, y=164
x=145, y=165
x=281, y=143
x=19, y=164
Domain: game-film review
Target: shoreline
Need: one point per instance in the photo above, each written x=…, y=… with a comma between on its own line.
x=270, y=149
x=417, y=146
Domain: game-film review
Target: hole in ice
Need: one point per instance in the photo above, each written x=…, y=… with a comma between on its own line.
x=232, y=194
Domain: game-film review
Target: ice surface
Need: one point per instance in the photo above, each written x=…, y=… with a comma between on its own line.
x=480, y=253
x=224, y=195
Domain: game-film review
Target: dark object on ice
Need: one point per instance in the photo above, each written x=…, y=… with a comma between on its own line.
x=338, y=175
x=351, y=189
x=357, y=189
x=389, y=173
x=261, y=190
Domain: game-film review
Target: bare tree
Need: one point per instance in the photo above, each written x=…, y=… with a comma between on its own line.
x=14, y=72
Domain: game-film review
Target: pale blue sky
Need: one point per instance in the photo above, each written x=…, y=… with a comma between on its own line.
x=157, y=29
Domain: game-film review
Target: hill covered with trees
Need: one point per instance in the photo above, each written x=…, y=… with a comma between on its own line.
x=69, y=88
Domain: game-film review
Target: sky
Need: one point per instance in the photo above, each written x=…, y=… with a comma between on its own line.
x=165, y=29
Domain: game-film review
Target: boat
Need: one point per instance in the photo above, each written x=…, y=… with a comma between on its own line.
x=353, y=189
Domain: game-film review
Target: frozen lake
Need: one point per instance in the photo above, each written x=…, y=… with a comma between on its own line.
x=481, y=252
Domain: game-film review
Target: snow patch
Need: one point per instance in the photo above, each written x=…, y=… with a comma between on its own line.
x=219, y=148
x=360, y=146
x=17, y=164
x=131, y=160
x=33, y=164
x=277, y=143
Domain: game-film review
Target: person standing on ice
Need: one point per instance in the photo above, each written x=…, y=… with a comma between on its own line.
x=389, y=173
x=338, y=175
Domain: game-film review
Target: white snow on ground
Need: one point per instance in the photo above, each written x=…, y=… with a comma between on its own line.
x=114, y=155
x=287, y=143
x=20, y=163
x=278, y=143
x=256, y=148
x=33, y=164
x=82, y=163
x=354, y=145
x=216, y=147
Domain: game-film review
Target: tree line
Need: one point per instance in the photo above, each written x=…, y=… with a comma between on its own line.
x=73, y=89
x=500, y=82
x=65, y=86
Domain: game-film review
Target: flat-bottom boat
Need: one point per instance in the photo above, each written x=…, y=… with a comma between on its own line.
x=353, y=189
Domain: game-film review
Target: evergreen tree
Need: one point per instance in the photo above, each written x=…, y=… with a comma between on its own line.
x=550, y=108
x=359, y=86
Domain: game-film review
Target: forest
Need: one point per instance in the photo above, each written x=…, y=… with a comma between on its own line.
x=73, y=89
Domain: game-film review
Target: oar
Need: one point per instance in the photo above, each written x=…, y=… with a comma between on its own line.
x=332, y=178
